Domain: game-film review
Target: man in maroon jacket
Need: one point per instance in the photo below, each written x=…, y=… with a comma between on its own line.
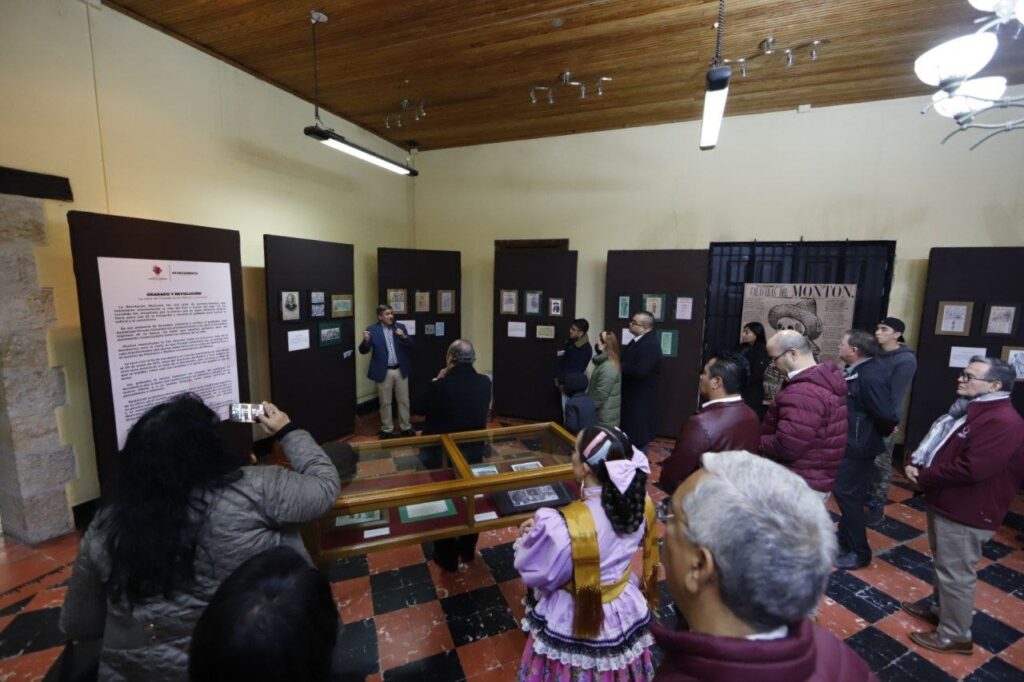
x=970, y=466
x=805, y=426
x=723, y=423
x=747, y=603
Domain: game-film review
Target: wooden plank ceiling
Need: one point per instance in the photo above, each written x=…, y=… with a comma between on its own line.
x=473, y=62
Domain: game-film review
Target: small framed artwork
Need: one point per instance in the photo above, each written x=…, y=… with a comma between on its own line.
x=341, y=305
x=397, y=300
x=509, y=302
x=428, y=329
x=655, y=305
x=290, y=310
x=316, y=297
x=684, y=307
x=367, y=519
x=1001, y=319
x=527, y=466
x=624, y=308
x=532, y=305
x=555, y=307
x=484, y=470
x=1015, y=356
x=317, y=310
x=954, y=318
x=439, y=329
x=545, y=331
x=446, y=301
x=422, y=301
x=669, y=340
x=330, y=334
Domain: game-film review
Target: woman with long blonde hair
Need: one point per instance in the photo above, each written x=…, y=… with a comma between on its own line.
x=606, y=380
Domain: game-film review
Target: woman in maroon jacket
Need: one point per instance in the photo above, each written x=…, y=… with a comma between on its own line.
x=747, y=603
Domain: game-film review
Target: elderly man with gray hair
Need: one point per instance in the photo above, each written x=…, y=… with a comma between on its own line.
x=970, y=466
x=748, y=550
x=458, y=399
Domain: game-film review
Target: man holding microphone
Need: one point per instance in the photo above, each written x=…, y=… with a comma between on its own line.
x=389, y=369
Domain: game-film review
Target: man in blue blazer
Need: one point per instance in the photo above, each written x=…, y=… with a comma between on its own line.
x=389, y=369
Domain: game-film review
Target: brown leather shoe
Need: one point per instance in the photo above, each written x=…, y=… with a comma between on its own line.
x=936, y=642
x=920, y=612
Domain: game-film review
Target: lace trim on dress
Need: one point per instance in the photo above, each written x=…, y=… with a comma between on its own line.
x=589, y=653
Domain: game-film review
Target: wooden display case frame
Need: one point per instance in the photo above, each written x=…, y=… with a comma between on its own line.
x=465, y=486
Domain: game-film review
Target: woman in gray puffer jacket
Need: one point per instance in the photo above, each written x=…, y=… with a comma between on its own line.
x=185, y=515
x=606, y=380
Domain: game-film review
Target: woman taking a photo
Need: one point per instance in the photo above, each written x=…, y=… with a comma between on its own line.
x=185, y=514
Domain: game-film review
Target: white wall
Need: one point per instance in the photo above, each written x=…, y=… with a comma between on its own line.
x=146, y=126
x=865, y=171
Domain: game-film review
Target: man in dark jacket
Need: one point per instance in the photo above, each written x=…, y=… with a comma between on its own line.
x=641, y=362
x=747, y=604
x=970, y=466
x=724, y=422
x=390, y=366
x=574, y=357
x=458, y=399
x=899, y=362
x=870, y=416
x=805, y=426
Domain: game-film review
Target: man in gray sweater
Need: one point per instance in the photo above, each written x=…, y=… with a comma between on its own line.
x=900, y=363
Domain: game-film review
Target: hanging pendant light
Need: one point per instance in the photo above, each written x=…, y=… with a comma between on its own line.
x=716, y=91
x=956, y=60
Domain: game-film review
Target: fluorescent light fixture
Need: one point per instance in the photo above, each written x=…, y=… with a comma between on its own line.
x=714, y=105
x=335, y=141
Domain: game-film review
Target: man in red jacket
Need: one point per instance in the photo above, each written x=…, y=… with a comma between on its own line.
x=747, y=603
x=970, y=466
x=805, y=426
x=723, y=423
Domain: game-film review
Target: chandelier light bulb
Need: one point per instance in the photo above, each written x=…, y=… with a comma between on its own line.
x=956, y=60
x=971, y=97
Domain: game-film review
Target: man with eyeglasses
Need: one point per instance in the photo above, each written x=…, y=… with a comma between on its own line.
x=805, y=427
x=748, y=604
x=641, y=361
x=970, y=466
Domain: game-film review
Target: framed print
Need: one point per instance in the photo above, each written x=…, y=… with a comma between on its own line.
x=509, y=302
x=316, y=297
x=368, y=519
x=426, y=510
x=655, y=305
x=960, y=356
x=484, y=470
x=446, y=301
x=684, y=307
x=428, y=329
x=317, y=310
x=624, y=308
x=290, y=310
x=341, y=305
x=954, y=318
x=528, y=499
x=439, y=329
x=1015, y=356
x=330, y=334
x=527, y=466
x=669, y=341
x=422, y=301
x=397, y=300
x=532, y=305
x=555, y=307
x=1001, y=319
x=545, y=331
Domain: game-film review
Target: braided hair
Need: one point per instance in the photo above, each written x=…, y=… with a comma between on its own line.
x=625, y=510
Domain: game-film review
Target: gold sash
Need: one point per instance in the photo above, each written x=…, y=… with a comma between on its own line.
x=585, y=585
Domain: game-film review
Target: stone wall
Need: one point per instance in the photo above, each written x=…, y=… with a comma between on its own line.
x=34, y=465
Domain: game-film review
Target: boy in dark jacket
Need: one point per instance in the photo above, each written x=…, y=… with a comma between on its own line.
x=580, y=411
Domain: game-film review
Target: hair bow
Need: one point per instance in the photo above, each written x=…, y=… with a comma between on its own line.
x=622, y=471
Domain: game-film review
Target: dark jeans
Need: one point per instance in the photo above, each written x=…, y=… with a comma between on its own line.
x=851, y=491
x=448, y=551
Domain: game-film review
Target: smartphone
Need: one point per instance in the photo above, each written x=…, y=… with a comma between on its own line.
x=245, y=412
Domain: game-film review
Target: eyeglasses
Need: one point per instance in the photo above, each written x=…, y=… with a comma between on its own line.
x=968, y=377
x=773, y=358
x=664, y=510
x=634, y=323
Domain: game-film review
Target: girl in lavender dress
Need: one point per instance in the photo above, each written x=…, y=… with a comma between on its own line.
x=588, y=615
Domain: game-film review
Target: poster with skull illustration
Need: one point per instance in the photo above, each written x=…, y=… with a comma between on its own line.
x=821, y=312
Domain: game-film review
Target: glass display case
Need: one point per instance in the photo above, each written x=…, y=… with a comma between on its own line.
x=411, y=490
